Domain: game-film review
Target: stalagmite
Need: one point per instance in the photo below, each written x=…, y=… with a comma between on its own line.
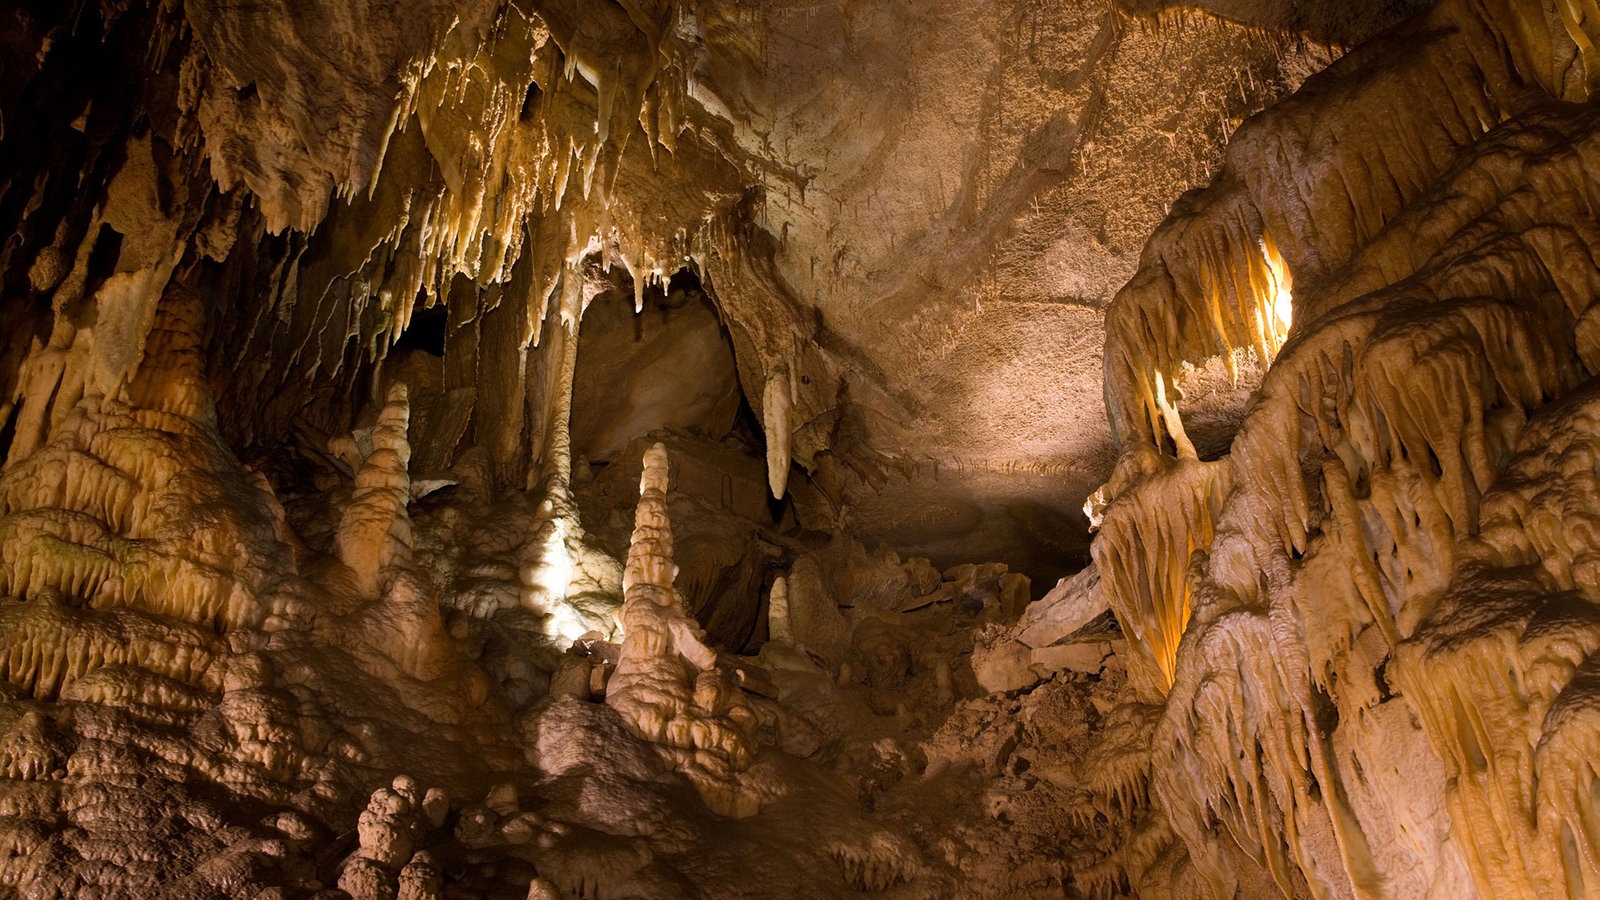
x=375, y=531
x=668, y=685
x=778, y=627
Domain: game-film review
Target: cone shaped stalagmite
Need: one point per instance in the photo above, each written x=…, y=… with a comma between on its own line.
x=668, y=685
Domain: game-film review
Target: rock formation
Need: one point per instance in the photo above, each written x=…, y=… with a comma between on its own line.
x=668, y=685
x=538, y=448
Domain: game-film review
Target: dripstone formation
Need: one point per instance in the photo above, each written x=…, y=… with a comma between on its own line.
x=651, y=449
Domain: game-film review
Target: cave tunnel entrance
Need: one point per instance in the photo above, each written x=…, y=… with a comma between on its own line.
x=668, y=373
x=426, y=331
x=668, y=367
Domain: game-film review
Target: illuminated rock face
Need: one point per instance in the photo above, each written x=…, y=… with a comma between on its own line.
x=1378, y=590
x=355, y=536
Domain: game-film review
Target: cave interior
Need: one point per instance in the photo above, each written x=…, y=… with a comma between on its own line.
x=655, y=449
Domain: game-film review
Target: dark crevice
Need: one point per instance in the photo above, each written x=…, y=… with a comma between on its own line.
x=747, y=431
x=8, y=431
x=426, y=331
x=685, y=281
x=530, y=102
x=103, y=258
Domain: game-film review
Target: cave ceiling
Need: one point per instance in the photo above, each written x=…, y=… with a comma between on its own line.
x=914, y=214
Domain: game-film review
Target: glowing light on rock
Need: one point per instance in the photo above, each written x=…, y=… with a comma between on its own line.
x=549, y=582
x=1280, y=303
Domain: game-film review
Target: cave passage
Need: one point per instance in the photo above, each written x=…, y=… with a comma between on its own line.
x=425, y=332
x=670, y=366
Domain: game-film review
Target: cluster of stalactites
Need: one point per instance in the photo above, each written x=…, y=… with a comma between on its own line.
x=668, y=686
x=1117, y=788
x=1503, y=673
x=1335, y=436
x=1361, y=469
x=1287, y=209
x=1371, y=561
x=1150, y=531
x=1412, y=411
x=1296, y=602
x=518, y=140
x=1244, y=762
x=1553, y=47
x=1220, y=286
x=508, y=167
x=529, y=130
x=1352, y=492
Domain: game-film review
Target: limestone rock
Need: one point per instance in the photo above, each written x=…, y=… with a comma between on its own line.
x=1073, y=603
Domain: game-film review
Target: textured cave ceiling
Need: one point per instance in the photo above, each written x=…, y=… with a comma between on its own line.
x=915, y=214
x=652, y=448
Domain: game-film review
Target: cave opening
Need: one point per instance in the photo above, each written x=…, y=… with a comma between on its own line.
x=530, y=102
x=426, y=331
x=103, y=258
x=669, y=367
x=668, y=373
x=683, y=283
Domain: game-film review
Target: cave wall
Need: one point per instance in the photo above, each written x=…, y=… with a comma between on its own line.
x=1364, y=628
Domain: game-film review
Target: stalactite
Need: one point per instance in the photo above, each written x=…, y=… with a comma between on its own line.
x=776, y=405
x=1147, y=537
